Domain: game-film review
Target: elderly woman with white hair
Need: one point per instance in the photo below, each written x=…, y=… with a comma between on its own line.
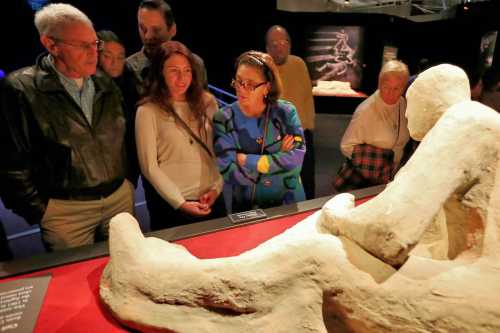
x=374, y=141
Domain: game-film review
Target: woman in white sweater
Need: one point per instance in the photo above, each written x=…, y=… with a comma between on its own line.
x=174, y=137
x=375, y=139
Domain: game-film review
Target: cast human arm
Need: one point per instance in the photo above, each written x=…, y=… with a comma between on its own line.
x=281, y=160
x=146, y=129
x=226, y=146
x=450, y=161
x=19, y=191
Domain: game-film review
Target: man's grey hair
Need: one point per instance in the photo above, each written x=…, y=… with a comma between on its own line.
x=52, y=18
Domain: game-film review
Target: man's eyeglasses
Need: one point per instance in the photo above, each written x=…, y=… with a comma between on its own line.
x=95, y=45
x=246, y=85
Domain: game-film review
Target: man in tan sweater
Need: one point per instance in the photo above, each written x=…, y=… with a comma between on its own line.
x=297, y=89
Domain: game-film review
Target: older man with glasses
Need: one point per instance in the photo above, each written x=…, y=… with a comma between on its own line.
x=65, y=161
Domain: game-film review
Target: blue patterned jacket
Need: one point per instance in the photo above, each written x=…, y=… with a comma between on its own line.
x=276, y=174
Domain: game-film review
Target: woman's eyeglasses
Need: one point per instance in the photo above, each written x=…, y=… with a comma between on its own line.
x=246, y=85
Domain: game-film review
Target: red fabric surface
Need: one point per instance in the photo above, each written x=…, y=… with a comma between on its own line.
x=72, y=302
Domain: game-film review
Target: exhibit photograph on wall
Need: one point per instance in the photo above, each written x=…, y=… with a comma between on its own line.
x=334, y=53
x=487, y=48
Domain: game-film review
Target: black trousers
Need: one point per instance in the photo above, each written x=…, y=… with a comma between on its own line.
x=307, y=173
x=162, y=215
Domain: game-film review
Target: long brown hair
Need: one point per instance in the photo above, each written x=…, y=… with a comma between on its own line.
x=156, y=90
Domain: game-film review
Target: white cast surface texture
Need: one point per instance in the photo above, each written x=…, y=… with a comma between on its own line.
x=422, y=256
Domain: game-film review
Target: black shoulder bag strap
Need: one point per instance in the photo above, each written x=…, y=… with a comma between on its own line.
x=190, y=132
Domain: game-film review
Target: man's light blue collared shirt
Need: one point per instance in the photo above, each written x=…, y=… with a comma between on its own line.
x=84, y=97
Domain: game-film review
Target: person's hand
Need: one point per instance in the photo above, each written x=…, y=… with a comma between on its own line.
x=209, y=198
x=287, y=143
x=195, y=208
x=241, y=159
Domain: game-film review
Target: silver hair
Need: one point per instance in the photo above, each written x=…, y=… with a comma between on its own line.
x=394, y=68
x=52, y=18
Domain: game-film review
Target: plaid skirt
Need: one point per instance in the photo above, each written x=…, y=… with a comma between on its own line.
x=368, y=166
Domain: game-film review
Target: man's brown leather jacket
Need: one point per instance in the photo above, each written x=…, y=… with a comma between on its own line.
x=49, y=150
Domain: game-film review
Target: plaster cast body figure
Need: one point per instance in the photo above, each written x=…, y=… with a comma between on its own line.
x=306, y=279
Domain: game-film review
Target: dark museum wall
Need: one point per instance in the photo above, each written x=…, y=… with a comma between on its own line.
x=220, y=30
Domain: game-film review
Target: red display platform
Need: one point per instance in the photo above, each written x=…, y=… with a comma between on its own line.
x=72, y=301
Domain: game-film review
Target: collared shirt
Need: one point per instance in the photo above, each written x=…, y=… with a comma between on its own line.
x=83, y=96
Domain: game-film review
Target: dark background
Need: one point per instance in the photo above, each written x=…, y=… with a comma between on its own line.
x=219, y=31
